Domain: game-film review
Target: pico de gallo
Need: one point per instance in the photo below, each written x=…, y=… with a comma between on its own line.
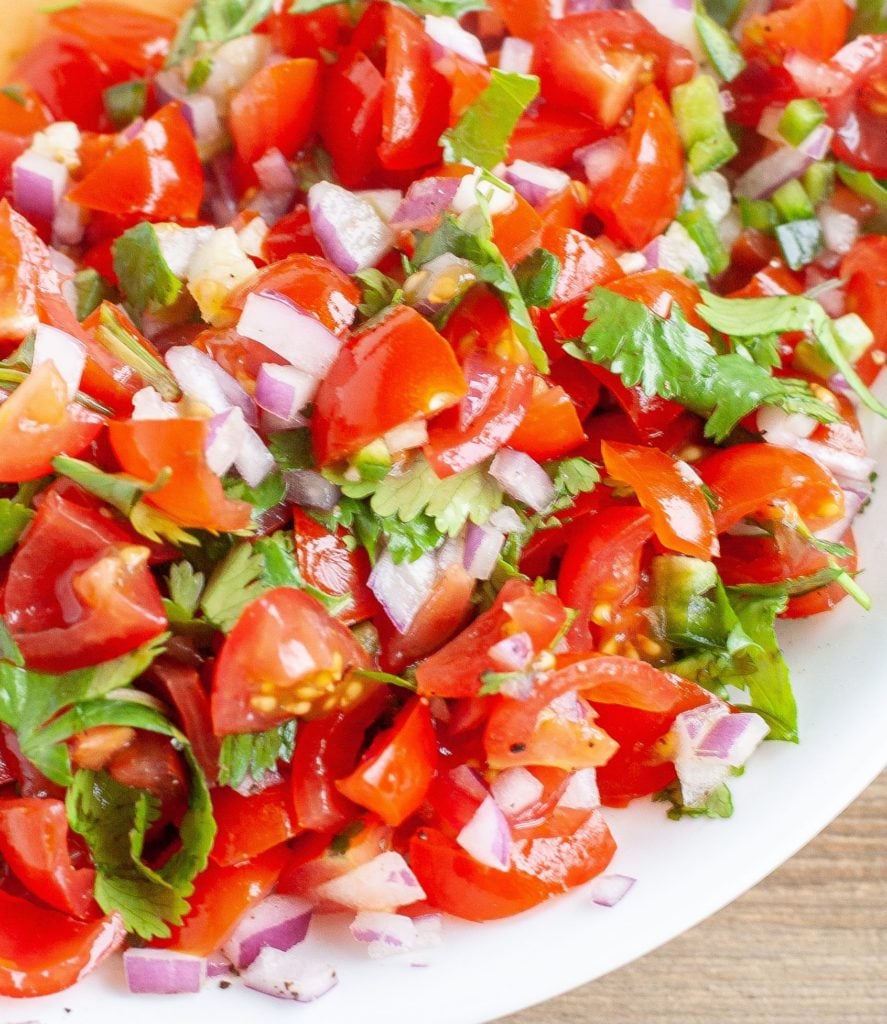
x=415, y=417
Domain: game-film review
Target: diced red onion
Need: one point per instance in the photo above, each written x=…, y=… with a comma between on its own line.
x=274, y=173
x=224, y=441
x=793, y=431
x=839, y=230
x=523, y=479
x=200, y=377
x=818, y=142
x=310, y=489
x=768, y=125
x=536, y=182
x=284, y=391
x=782, y=428
x=278, y=921
x=148, y=404
x=448, y=34
x=221, y=193
x=69, y=225
x=513, y=653
x=217, y=965
x=198, y=109
x=762, y=179
x=403, y=589
x=64, y=351
x=425, y=201
x=163, y=972
x=516, y=55
x=254, y=463
x=498, y=195
x=385, y=201
x=506, y=519
x=350, y=231
x=385, y=883
x=38, y=185
x=581, y=792
x=601, y=159
x=515, y=790
x=633, y=262
x=733, y=738
x=469, y=781
x=384, y=934
x=675, y=19
x=487, y=837
x=406, y=437
x=608, y=890
x=483, y=545
x=298, y=337
x=519, y=685
x=289, y=975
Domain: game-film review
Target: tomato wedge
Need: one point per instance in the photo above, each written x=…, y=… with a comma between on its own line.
x=136, y=38
x=250, y=825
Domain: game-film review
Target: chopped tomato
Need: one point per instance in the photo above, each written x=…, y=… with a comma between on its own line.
x=43, y=951
x=34, y=845
x=466, y=78
x=551, y=427
x=118, y=34
x=276, y=109
x=584, y=262
x=350, y=121
x=306, y=35
x=670, y=491
x=22, y=112
x=79, y=591
x=193, y=495
x=857, y=110
x=38, y=422
x=157, y=175
x=865, y=268
x=551, y=135
x=285, y=658
x=641, y=197
x=291, y=234
x=748, y=477
x=181, y=687
x=396, y=771
x=250, y=825
x=517, y=230
x=356, y=404
x=816, y=28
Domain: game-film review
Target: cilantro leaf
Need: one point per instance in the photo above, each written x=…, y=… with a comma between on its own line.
x=145, y=278
x=571, y=477
x=114, y=335
x=216, y=21
x=379, y=292
x=92, y=290
x=292, y=448
x=718, y=803
x=482, y=133
x=14, y=518
x=253, y=755
x=235, y=583
x=472, y=495
x=404, y=541
x=491, y=268
x=537, y=276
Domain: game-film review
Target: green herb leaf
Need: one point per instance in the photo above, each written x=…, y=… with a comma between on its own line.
x=125, y=102
x=482, y=133
x=571, y=477
x=862, y=182
x=145, y=278
x=216, y=21
x=292, y=448
x=718, y=803
x=386, y=678
x=537, y=276
x=236, y=582
x=870, y=18
x=404, y=541
x=253, y=755
x=92, y=290
x=14, y=518
x=121, y=342
x=379, y=292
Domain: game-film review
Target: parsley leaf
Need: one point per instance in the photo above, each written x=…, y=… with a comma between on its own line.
x=537, y=276
x=482, y=133
x=491, y=268
x=216, y=21
x=472, y=495
x=145, y=279
x=253, y=755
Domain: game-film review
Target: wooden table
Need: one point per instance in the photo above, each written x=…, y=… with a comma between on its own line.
x=806, y=946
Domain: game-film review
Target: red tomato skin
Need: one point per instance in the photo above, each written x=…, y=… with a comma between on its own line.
x=291, y=234
x=584, y=263
x=393, y=778
x=551, y=428
x=181, y=687
x=551, y=135
x=135, y=38
x=641, y=198
x=351, y=117
x=865, y=268
x=34, y=844
x=43, y=951
x=250, y=825
x=816, y=28
x=126, y=181
x=356, y=405
x=276, y=109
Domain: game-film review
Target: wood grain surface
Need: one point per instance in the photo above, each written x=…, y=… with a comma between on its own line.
x=806, y=946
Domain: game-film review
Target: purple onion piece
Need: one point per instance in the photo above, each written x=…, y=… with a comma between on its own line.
x=513, y=653
x=469, y=781
x=516, y=790
x=385, y=883
x=163, y=972
x=487, y=836
x=280, y=922
x=38, y=185
x=608, y=890
x=200, y=377
x=403, y=589
x=536, y=182
x=350, y=231
x=425, y=201
x=298, y=337
x=384, y=934
x=523, y=479
x=224, y=440
x=483, y=545
x=284, y=391
x=275, y=174
x=289, y=975
x=762, y=179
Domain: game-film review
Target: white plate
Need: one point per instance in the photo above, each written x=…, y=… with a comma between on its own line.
x=686, y=870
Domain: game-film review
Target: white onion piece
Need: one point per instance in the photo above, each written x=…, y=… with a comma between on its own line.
x=506, y=519
x=274, y=173
x=66, y=353
x=516, y=55
x=487, y=837
x=224, y=441
x=298, y=337
x=38, y=185
x=469, y=781
x=403, y=589
x=310, y=489
x=385, y=201
x=601, y=159
x=818, y=142
x=148, y=404
x=498, y=195
x=69, y=225
x=254, y=462
x=536, y=182
x=384, y=934
x=483, y=545
x=385, y=883
x=198, y=109
x=284, y=391
x=768, y=125
x=782, y=428
x=845, y=465
x=513, y=653
x=449, y=34
x=200, y=377
x=350, y=231
x=278, y=921
x=163, y=972
x=581, y=792
x=813, y=77
x=289, y=975
x=608, y=890
x=762, y=179
x=632, y=262
x=675, y=19
x=839, y=230
x=406, y=437
x=523, y=479
x=515, y=790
